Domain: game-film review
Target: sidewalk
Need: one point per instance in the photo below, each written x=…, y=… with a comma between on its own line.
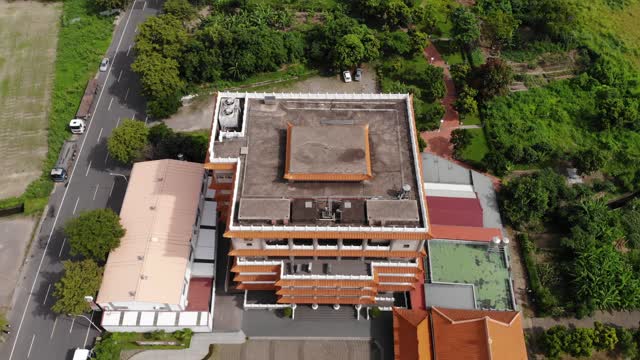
x=438, y=140
x=199, y=347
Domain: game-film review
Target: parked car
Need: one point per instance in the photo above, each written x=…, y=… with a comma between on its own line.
x=347, y=76
x=104, y=64
x=358, y=75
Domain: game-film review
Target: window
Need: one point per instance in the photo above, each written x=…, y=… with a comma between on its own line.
x=327, y=242
x=249, y=244
x=352, y=242
x=406, y=246
x=375, y=242
x=277, y=242
x=301, y=242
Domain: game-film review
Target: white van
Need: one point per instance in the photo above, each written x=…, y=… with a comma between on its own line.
x=81, y=354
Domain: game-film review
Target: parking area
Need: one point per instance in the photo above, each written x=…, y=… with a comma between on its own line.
x=298, y=349
x=199, y=113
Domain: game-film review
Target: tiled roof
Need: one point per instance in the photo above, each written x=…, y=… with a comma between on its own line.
x=158, y=213
x=247, y=234
x=348, y=253
x=326, y=300
x=469, y=233
x=411, y=334
x=454, y=211
x=477, y=335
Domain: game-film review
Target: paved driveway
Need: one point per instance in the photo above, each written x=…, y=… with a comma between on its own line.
x=298, y=349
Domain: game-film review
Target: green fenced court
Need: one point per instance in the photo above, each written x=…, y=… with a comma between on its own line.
x=467, y=263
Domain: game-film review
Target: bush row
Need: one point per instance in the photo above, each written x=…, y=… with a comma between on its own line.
x=545, y=302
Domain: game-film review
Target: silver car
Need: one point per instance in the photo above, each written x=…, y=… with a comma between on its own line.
x=358, y=75
x=104, y=64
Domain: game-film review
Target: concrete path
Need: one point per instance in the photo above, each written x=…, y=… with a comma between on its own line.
x=272, y=350
x=199, y=348
x=438, y=140
x=626, y=319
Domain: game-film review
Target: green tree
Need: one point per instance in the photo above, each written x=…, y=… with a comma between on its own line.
x=605, y=337
x=94, y=233
x=111, y=4
x=466, y=30
x=349, y=52
x=181, y=9
x=589, y=160
x=492, y=79
x=501, y=27
x=627, y=345
x=555, y=341
x=162, y=35
x=525, y=201
x=108, y=348
x=580, y=342
x=466, y=102
x=81, y=278
x=460, y=139
x=127, y=141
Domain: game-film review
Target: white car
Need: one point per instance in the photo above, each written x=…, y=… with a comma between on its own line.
x=104, y=64
x=347, y=76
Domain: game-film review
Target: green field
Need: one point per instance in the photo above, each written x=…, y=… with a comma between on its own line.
x=478, y=147
x=28, y=35
x=464, y=263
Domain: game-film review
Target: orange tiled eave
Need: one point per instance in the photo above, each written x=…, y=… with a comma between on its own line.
x=326, y=235
x=347, y=253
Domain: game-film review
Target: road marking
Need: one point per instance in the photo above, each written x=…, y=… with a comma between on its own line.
x=99, y=135
x=110, y=102
x=119, y=76
x=106, y=158
x=127, y=94
x=72, y=322
x=133, y=117
x=136, y=30
x=88, y=329
x=129, y=49
x=112, y=186
x=46, y=295
x=62, y=247
x=53, y=328
x=118, y=123
x=145, y=119
x=75, y=207
x=64, y=195
x=94, y=194
x=144, y=6
x=88, y=168
x=30, y=346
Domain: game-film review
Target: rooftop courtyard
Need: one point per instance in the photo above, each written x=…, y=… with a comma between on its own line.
x=465, y=263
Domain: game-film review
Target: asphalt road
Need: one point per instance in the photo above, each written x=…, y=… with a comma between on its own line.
x=37, y=332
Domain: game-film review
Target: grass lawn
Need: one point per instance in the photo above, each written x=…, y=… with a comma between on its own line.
x=464, y=263
x=470, y=119
x=28, y=35
x=83, y=39
x=478, y=147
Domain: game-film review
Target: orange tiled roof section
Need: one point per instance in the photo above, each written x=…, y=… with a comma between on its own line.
x=327, y=176
x=411, y=335
x=463, y=233
x=245, y=234
x=477, y=335
x=345, y=253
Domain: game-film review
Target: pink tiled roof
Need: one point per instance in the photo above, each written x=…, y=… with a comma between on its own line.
x=158, y=214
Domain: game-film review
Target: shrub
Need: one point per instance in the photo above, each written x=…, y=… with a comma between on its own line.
x=375, y=312
x=287, y=312
x=545, y=302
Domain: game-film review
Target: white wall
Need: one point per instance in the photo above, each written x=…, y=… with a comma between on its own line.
x=399, y=245
x=244, y=244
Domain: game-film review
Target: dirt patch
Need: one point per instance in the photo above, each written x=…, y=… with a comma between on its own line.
x=15, y=234
x=199, y=113
x=28, y=38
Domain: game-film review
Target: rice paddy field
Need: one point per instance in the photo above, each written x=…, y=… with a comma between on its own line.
x=464, y=263
x=28, y=38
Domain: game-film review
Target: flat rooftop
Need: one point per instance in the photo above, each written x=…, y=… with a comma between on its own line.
x=352, y=149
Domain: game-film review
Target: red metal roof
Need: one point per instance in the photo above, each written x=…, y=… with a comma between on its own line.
x=454, y=211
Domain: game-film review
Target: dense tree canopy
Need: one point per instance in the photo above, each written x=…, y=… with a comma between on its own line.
x=127, y=141
x=94, y=233
x=80, y=279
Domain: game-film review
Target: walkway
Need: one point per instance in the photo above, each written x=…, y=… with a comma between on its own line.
x=626, y=319
x=438, y=140
x=199, y=347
